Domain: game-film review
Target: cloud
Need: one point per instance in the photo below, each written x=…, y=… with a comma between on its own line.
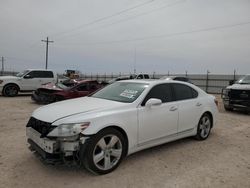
x=25, y=23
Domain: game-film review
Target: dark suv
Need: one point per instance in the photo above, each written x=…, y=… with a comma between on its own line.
x=237, y=95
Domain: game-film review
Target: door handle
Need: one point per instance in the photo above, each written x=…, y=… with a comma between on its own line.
x=173, y=108
x=198, y=104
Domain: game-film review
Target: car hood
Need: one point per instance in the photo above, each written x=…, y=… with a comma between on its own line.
x=51, y=86
x=8, y=78
x=53, y=112
x=239, y=86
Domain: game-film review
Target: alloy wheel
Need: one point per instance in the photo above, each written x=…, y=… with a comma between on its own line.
x=107, y=152
x=205, y=126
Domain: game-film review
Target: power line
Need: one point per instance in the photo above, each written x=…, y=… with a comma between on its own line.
x=47, y=50
x=165, y=35
x=131, y=17
x=104, y=18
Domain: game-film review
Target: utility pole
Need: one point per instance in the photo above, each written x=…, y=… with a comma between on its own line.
x=47, y=49
x=2, y=65
x=234, y=74
x=135, y=62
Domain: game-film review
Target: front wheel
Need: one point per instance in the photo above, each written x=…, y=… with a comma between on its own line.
x=204, y=127
x=104, y=151
x=10, y=90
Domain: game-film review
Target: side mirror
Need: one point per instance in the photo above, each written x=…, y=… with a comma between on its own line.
x=27, y=76
x=153, y=102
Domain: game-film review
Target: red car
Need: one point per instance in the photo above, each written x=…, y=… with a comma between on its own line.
x=52, y=93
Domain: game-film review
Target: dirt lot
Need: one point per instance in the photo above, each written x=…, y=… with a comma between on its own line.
x=221, y=161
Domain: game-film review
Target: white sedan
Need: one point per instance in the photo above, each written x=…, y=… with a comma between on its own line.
x=127, y=116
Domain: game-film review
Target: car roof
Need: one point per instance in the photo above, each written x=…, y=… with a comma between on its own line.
x=38, y=70
x=151, y=81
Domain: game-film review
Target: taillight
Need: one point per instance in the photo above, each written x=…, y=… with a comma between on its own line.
x=216, y=102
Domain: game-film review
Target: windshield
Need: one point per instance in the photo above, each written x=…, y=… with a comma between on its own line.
x=61, y=86
x=126, y=92
x=244, y=80
x=20, y=74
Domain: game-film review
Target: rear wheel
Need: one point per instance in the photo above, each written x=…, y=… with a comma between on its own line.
x=204, y=127
x=104, y=151
x=10, y=90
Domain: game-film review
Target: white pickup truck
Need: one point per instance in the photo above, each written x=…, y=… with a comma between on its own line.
x=26, y=81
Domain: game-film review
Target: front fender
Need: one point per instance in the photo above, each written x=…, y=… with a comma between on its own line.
x=128, y=124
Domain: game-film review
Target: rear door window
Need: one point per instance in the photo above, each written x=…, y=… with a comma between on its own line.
x=41, y=74
x=82, y=87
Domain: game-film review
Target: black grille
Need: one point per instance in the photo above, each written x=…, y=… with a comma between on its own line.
x=42, y=127
x=240, y=94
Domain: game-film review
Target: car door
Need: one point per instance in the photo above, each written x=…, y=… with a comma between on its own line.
x=46, y=77
x=81, y=90
x=93, y=86
x=189, y=105
x=31, y=81
x=157, y=122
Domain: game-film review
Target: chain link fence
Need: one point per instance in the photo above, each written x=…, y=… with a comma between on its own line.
x=211, y=83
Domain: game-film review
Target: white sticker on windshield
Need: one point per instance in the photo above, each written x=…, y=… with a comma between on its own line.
x=128, y=93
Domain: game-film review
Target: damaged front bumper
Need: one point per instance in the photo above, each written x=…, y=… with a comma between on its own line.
x=42, y=98
x=53, y=149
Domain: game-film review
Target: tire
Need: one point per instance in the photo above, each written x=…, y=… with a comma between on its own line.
x=3, y=93
x=104, y=151
x=204, y=127
x=10, y=90
x=227, y=108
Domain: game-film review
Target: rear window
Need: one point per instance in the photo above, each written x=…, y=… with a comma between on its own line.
x=181, y=79
x=183, y=92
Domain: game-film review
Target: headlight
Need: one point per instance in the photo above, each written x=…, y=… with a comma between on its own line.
x=1, y=81
x=70, y=129
x=225, y=93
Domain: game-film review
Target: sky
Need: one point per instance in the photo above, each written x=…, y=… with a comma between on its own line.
x=96, y=36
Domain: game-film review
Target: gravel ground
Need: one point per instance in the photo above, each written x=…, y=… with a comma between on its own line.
x=223, y=160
